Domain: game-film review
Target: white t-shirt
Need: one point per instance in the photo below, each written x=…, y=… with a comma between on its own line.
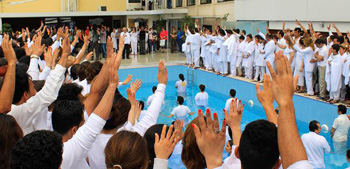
x=127, y=38
x=323, y=52
x=341, y=125
x=315, y=146
x=232, y=162
x=228, y=102
x=202, y=99
x=181, y=111
x=181, y=86
x=96, y=154
x=150, y=99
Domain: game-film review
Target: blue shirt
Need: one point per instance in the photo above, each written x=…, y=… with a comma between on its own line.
x=179, y=35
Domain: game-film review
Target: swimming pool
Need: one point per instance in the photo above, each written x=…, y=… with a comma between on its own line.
x=218, y=89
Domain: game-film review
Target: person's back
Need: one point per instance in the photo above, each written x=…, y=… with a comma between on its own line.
x=181, y=112
x=341, y=124
x=181, y=85
x=228, y=102
x=96, y=154
x=202, y=99
x=315, y=145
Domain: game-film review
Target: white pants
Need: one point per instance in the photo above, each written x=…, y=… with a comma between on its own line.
x=248, y=71
x=223, y=67
x=309, y=83
x=188, y=58
x=334, y=95
x=134, y=47
x=209, y=61
x=195, y=56
x=205, y=62
x=233, y=68
x=259, y=71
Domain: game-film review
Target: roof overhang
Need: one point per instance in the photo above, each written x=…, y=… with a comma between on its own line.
x=98, y=13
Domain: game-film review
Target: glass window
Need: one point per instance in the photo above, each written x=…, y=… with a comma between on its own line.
x=205, y=1
x=191, y=2
x=134, y=1
x=178, y=3
x=224, y=0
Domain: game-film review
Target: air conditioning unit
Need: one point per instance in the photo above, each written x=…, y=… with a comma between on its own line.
x=103, y=8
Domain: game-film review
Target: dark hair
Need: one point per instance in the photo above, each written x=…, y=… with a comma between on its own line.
x=180, y=99
x=243, y=31
x=222, y=32
x=336, y=47
x=230, y=142
x=347, y=154
x=24, y=60
x=259, y=144
x=250, y=36
x=340, y=39
x=150, y=138
x=20, y=52
x=229, y=32
x=233, y=92
x=313, y=125
x=74, y=71
x=10, y=133
x=93, y=70
x=134, y=155
x=154, y=88
x=69, y=91
x=320, y=41
x=142, y=104
x=181, y=76
x=342, y=109
x=39, y=149
x=202, y=87
x=281, y=33
x=242, y=37
x=298, y=30
x=38, y=84
x=22, y=82
x=66, y=114
x=269, y=36
x=196, y=30
x=81, y=71
x=119, y=113
x=238, y=31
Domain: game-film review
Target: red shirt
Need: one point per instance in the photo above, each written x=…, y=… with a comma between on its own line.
x=163, y=35
x=87, y=32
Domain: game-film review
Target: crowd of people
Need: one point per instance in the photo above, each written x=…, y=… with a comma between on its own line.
x=320, y=61
x=62, y=111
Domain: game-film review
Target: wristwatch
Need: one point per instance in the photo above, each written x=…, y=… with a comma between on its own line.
x=34, y=56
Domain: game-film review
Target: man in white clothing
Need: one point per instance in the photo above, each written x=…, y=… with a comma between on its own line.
x=127, y=41
x=240, y=51
x=340, y=128
x=334, y=74
x=202, y=98
x=248, y=57
x=281, y=40
x=260, y=60
x=150, y=98
x=269, y=50
x=195, y=45
x=228, y=102
x=315, y=145
x=181, y=112
x=321, y=56
x=231, y=44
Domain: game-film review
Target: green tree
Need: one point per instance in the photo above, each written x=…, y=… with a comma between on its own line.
x=188, y=21
x=6, y=28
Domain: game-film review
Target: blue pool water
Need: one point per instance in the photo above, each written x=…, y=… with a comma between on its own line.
x=218, y=88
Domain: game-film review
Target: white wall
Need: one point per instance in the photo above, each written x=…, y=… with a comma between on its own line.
x=304, y=10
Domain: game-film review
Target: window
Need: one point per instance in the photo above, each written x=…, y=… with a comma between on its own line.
x=134, y=1
x=205, y=1
x=224, y=0
x=178, y=3
x=191, y=2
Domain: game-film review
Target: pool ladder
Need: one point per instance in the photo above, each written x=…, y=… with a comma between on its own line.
x=190, y=76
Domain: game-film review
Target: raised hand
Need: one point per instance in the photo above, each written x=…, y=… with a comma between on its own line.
x=65, y=51
x=258, y=30
x=329, y=27
x=89, y=55
x=210, y=141
x=48, y=57
x=113, y=71
x=55, y=56
x=265, y=96
x=110, y=50
x=162, y=73
x=164, y=146
x=38, y=49
x=7, y=48
x=127, y=80
x=136, y=85
x=234, y=119
x=282, y=81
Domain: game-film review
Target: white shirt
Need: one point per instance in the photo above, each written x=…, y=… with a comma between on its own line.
x=34, y=72
x=281, y=41
x=96, y=154
x=127, y=38
x=150, y=99
x=181, y=111
x=202, y=99
x=35, y=109
x=315, y=147
x=232, y=162
x=150, y=117
x=181, y=86
x=86, y=87
x=323, y=52
x=76, y=149
x=227, y=105
x=341, y=125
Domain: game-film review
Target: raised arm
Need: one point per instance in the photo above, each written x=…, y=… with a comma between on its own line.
x=8, y=86
x=82, y=50
x=338, y=31
x=301, y=26
x=266, y=99
x=289, y=142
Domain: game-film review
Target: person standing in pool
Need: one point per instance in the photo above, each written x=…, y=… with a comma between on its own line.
x=181, y=112
x=202, y=98
x=232, y=96
x=181, y=85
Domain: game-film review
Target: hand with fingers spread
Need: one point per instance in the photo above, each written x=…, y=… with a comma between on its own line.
x=162, y=73
x=133, y=103
x=27, y=50
x=266, y=99
x=38, y=49
x=234, y=119
x=113, y=71
x=89, y=55
x=65, y=51
x=136, y=85
x=210, y=141
x=8, y=50
x=164, y=146
x=127, y=80
x=55, y=56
